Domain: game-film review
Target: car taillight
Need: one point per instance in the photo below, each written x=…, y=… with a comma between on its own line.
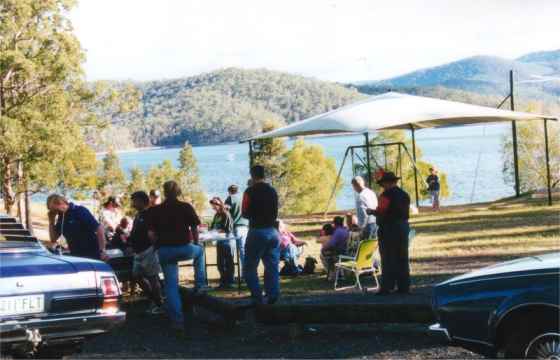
x=110, y=291
x=109, y=287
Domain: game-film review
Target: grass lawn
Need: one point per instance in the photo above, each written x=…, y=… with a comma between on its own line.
x=453, y=241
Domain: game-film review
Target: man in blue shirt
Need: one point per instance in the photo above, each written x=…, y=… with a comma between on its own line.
x=84, y=235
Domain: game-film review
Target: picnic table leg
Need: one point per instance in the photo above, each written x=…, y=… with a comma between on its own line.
x=238, y=267
x=205, y=263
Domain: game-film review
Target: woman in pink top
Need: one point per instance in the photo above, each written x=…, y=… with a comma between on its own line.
x=290, y=246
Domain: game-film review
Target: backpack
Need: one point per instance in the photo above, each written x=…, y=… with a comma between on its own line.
x=290, y=269
x=309, y=267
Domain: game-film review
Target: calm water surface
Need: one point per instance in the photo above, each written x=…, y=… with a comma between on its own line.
x=455, y=151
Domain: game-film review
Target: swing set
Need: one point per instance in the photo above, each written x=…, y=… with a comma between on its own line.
x=362, y=156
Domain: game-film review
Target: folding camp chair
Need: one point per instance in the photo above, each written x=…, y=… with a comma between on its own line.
x=360, y=264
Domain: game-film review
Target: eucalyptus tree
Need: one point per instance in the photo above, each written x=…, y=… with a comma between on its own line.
x=41, y=87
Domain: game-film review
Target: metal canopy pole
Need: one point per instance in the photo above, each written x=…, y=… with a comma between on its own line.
x=547, y=156
x=250, y=153
x=514, y=136
x=399, y=166
x=415, y=168
x=336, y=182
x=367, y=160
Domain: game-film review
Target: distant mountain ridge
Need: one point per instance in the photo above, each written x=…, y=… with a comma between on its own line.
x=486, y=75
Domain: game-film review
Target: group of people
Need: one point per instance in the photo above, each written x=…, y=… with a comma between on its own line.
x=165, y=232
x=384, y=217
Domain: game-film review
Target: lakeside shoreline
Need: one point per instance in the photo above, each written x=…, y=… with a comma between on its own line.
x=167, y=147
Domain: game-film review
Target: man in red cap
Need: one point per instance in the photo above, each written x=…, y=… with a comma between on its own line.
x=392, y=215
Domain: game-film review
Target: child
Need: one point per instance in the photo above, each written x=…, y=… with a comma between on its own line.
x=122, y=232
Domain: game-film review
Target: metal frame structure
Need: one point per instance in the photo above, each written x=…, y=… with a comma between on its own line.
x=350, y=150
x=413, y=129
x=511, y=98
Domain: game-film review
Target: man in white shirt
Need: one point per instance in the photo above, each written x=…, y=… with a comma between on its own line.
x=366, y=199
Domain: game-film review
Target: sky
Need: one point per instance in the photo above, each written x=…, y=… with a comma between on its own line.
x=348, y=40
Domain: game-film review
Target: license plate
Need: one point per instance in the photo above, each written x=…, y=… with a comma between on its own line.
x=19, y=305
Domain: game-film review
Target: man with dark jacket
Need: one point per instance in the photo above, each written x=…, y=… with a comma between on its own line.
x=174, y=230
x=392, y=217
x=260, y=206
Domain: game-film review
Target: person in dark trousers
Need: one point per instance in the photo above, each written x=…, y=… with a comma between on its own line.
x=433, y=188
x=240, y=224
x=84, y=235
x=145, y=266
x=174, y=231
x=260, y=206
x=392, y=217
x=225, y=249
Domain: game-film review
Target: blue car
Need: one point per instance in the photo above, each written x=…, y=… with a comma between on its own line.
x=50, y=304
x=509, y=310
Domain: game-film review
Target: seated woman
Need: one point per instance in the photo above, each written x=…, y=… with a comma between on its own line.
x=110, y=217
x=225, y=249
x=334, y=245
x=290, y=246
x=120, y=237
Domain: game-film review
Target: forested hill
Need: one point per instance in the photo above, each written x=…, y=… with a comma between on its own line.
x=231, y=104
x=222, y=106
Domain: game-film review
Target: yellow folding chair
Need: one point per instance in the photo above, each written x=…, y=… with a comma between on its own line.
x=362, y=263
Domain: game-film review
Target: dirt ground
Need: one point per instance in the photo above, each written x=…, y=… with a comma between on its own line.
x=148, y=336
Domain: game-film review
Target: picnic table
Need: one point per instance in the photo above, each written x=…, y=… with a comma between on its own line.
x=211, y=237
x=122, y=263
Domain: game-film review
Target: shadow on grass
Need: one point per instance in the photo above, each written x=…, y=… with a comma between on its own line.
x=486, y=218
x=474, y=225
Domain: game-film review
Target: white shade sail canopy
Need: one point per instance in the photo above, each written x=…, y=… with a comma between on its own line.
x=394, y=110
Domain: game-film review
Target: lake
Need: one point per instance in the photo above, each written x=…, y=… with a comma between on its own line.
x=455, y=151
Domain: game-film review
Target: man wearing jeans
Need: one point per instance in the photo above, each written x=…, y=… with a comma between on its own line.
x=240, y=224
x=260, y=206
x=366, y=199
x=173, y=228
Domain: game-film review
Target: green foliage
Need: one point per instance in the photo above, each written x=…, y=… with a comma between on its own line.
x=308, y=180
x=41, y=86
x=531, y=150
x=111, y=179
x=224, y=105
x=45, y=102
x=137, y=181
x=72, y=172
x=159, y=174
x=270, y=153
x=388, y=158
x=190, y=180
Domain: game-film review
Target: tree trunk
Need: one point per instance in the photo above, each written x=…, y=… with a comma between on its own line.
x=28, y=222
x=19, y=176
x=8, y=194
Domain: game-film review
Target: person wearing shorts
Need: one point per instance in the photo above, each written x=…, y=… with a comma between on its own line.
x=145, y=266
